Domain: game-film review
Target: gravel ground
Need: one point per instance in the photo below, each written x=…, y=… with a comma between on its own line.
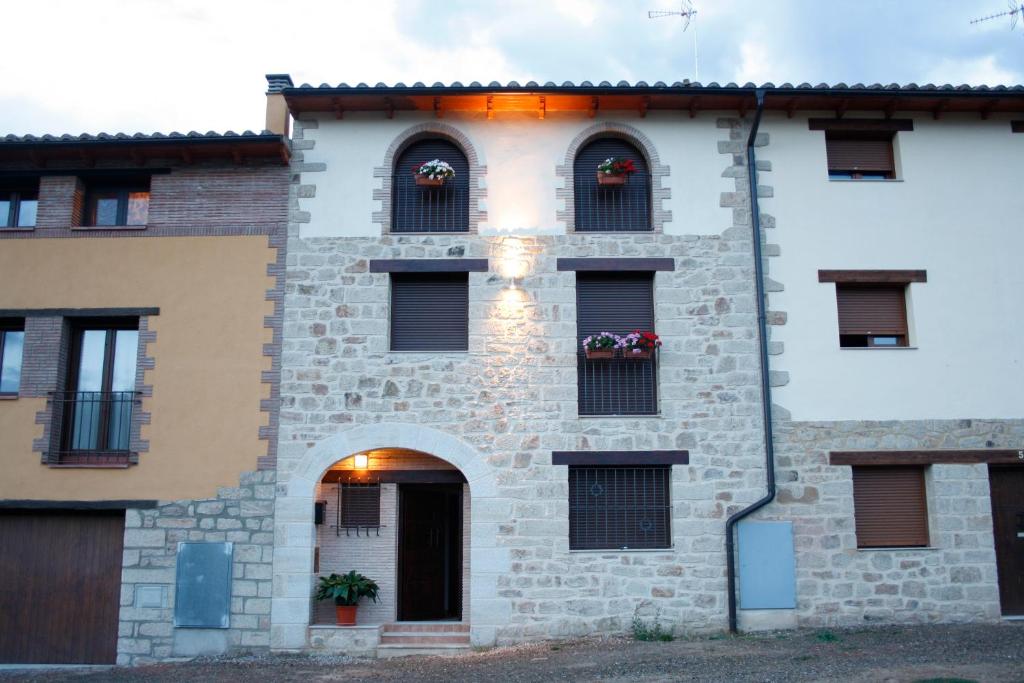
x=919, y=653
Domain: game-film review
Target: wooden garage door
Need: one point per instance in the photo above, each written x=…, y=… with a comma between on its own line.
x=60, y=584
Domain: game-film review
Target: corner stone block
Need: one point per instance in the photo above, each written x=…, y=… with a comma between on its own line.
x=287, y=637
x=289, y=610
x=293, y=560
x=490, y=612
x=292, y=586
x=295, y=509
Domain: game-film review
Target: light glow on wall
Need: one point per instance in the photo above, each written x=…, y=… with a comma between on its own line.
x=361, y=461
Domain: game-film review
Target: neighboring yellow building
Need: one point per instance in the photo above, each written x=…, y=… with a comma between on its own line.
x=141, y=284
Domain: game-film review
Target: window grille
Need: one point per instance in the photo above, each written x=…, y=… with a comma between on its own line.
x=619, y=507
x=415, y=208
x=625, y=208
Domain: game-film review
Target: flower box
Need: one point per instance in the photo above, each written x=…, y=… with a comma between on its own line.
x=423, y=181
x=639, y=354
x=599, y=354
x=609, y=179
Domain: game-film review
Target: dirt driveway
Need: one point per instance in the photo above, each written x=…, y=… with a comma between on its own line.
x=920, y=653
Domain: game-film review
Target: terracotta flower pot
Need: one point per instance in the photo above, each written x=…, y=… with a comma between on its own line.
x=423, y=181
x=346, y=615
x=609, y=179
x=599, y=354
x=637, y=354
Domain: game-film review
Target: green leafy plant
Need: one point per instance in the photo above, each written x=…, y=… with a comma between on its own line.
x=346, y=589
x=652, y=630
x=826, y=636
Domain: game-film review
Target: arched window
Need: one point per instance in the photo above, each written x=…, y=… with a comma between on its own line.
x=423, y=208
x=625, y=207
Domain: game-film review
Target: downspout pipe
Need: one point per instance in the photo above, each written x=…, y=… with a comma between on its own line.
x=766, y=389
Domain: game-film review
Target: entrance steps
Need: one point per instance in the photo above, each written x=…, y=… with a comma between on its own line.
x=443, y=638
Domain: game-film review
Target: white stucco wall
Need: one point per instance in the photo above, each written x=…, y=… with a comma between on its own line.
x=521, y=153
x=957, y=213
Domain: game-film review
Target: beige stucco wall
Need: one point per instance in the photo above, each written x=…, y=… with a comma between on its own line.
x=208, y=351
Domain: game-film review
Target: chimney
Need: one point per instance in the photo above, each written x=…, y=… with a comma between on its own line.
x=277, y=108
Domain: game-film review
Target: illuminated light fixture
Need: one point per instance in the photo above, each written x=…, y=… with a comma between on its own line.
x=513, y=262
x=362, y=461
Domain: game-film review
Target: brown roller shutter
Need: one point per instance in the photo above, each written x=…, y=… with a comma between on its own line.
x=890, y=506
x=860, y=152
x=429, y=312
x=872, y=309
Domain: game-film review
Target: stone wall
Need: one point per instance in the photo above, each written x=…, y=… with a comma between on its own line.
x=243, y=515
x=839, y=584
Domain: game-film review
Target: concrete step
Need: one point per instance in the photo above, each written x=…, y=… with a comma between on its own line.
x=424, y=639
x=427, y=627
x=439, y=650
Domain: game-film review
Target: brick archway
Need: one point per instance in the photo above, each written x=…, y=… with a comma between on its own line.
x=432, y=129
x=294, y=533
x=659, y=171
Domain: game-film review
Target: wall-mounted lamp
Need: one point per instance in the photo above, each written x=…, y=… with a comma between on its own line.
x=513, y=260
x=361, y=461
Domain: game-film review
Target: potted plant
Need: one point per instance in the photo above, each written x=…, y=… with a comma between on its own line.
x=614, y=171
x=346, y=591
x=433, y=173
x=598, y=346
x=639, y=344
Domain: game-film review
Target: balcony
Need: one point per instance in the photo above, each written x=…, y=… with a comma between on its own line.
x=94, y=428
x=617, y=386
x=417, y=208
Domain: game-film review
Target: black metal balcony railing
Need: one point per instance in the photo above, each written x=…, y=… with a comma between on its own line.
x=94, y=426
x=618, y=386
x=625, y=208
x=416, y=208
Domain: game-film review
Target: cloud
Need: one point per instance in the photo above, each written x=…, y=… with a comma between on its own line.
x=979, y=71
x=200, y=64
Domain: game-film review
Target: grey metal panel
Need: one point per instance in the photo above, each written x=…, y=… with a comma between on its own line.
x=767, y=565
x=203, y=591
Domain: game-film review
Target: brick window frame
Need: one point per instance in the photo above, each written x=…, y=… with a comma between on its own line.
x=659, y=173
x=433, y=129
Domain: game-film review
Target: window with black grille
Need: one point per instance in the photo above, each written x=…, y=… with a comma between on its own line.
x=618, y=303
x=359, y=505
x=621, y=508
x=626, y=207
x=417, y=208
x=429, y=311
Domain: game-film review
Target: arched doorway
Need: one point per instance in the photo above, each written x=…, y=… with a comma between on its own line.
x=301, y=470
x=398, y=516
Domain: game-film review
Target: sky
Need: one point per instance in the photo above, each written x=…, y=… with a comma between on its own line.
x=75, y=66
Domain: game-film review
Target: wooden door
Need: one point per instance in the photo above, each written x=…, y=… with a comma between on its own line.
x=60, y=585
x=1007, y=487
x=430, y=552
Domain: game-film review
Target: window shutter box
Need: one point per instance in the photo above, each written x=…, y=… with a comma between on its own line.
x=618, y=303
x=624, y=207
x=872, y=309
x=861, y=153
x=891, y=508
x=441, y=208
x=429, y=312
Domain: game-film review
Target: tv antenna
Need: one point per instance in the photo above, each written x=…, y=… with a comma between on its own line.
x=689, y=16
x=1015, y=10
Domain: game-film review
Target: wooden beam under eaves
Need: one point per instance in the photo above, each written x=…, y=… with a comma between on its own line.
x=37, y=159
x=137, y=157
x=186, y=156
x=790, y=107
x=644, y=105
x=939, y=108
x=694, y=107
x=339, y=113
x=988, y=107
x=236, y=156
x=890, y=108
x=490, y=106
x=390, y=107
x=285, y=155
x=592, y=110
x=87, y=158
x=438, y=110
x=542, y=107
x=844, y=104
